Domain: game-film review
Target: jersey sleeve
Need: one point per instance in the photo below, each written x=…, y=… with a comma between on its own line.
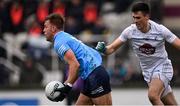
x=61, y=49
x=124, y=35
x=168, y=35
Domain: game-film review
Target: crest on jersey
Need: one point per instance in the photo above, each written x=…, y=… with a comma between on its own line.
x=147, y=49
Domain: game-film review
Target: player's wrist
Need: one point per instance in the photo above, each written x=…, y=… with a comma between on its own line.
x=104, y=50
x=69, y=84
x=67, y=87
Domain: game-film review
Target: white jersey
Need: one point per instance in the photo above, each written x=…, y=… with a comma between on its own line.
x=149, y=47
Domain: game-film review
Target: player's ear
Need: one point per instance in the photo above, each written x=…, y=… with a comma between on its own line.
x=147, y=16
x=54, y=29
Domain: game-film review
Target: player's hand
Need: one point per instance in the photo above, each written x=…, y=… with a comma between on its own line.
x=63, y=92
x=101, y=47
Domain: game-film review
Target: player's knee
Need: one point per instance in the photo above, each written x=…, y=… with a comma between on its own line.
x=153, y=97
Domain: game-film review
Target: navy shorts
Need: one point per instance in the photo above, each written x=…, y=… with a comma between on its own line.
x=97, y=83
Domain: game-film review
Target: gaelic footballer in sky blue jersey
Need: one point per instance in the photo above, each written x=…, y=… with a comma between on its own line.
x=83, y=61
x=88, y=58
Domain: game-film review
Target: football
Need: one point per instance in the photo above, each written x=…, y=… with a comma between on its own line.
x=50, y=87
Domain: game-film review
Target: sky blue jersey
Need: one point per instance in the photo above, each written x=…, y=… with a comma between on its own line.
x=87, y=57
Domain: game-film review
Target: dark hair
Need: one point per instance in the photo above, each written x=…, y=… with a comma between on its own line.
x=141, y=6
x=56, y=19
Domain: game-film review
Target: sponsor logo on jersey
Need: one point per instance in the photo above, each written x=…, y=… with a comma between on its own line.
x=147, y=49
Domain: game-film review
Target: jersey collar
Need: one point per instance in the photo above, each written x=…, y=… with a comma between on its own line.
x=58, y=33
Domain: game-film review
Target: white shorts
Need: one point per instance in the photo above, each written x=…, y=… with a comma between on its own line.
x=164, y=72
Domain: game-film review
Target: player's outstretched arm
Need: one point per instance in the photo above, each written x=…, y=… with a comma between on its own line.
x=176, y=43
x=109, y=49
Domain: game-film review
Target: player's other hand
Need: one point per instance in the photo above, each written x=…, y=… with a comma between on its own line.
x=101, y=47
x=63, y=92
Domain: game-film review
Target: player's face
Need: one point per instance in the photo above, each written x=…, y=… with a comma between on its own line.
x=48, y=30
x=141, y=20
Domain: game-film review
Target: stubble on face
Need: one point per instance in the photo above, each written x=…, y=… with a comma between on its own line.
x=48, y=31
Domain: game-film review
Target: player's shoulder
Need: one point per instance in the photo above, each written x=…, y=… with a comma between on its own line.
x=156, y=26
x=130, y=28
x=153, y=23
x=60, y=38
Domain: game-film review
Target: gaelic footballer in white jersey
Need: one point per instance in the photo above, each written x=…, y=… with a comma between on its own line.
x=150, y=49
x=147, y=39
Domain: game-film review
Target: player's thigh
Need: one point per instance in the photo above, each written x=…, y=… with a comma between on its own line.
x=103, y=100
x=156, y=87
x=169, y=99
x=84, y=100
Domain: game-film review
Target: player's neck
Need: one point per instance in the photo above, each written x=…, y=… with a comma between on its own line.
x=146, y=28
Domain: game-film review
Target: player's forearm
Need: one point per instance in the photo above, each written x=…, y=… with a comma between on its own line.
x=110, y=49
x=113, y=46
x=73, y=73
x=176, y=43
